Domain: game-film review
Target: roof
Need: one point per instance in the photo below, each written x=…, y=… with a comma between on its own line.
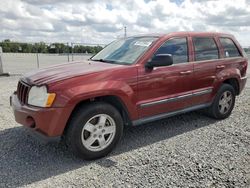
x=179, y=33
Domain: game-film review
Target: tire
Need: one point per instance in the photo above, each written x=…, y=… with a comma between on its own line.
x=94, y=130
x=223, y=103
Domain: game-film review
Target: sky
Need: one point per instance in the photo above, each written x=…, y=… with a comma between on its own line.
x=102, y=21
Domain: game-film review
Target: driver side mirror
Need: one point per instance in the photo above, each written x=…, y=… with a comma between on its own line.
x=160, y=60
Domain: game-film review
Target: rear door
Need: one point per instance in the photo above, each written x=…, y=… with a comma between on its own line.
x=206, y=56
x=232, y=58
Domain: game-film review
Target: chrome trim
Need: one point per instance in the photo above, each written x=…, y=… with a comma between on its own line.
x=165, y=100
x=220, y=59
x=243, y=78
x=198, y=62
x=169, y=114
x=207, y=91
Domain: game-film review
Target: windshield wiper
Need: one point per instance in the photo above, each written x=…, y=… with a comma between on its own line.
x=104, y=60
x=110, y=61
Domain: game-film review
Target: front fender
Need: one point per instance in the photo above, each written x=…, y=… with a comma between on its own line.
x=74, y=95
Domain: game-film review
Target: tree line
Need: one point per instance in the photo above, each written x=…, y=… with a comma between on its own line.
x=247, y=50
x=56, y=48
x=41, y=47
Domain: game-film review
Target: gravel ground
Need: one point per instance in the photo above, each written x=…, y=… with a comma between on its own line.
x=189, y=150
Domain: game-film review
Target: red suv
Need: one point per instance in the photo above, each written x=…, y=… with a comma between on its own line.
x=130, y=82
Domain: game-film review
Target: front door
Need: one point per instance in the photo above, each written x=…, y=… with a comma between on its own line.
x=166, y=89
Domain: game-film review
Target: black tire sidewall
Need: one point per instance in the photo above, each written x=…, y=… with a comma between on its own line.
x=80, y=118
x=215, y=106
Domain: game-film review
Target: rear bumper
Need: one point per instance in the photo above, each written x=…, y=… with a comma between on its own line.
x=46, y=124
x=243, y=81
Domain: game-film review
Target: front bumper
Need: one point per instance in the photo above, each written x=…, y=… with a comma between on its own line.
x=46, y=124
x=42, y=137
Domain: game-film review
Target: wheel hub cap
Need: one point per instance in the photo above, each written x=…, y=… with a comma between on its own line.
x=98, y=132
x=225, y=102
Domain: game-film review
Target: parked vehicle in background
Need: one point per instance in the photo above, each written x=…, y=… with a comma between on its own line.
x=131, y=82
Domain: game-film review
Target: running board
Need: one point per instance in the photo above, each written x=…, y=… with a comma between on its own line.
x=169, y=114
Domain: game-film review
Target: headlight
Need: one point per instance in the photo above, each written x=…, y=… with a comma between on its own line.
x=38, y=96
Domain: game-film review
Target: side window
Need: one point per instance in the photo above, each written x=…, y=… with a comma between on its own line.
x=205, y=49
x=177, y=47
x=229, y=48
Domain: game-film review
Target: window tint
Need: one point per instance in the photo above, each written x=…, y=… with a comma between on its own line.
x=205, y=49
x=177, y=47
x=229, y=48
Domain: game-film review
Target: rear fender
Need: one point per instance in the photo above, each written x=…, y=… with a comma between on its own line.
x=230, y=73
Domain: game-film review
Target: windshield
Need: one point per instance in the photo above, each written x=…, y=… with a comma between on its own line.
x=124, y=51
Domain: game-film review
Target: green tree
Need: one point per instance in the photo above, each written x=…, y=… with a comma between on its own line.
x=41, y=47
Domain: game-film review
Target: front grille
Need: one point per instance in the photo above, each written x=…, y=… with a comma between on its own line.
x=22, y=92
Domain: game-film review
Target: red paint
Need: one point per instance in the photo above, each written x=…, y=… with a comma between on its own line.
x=132, y=84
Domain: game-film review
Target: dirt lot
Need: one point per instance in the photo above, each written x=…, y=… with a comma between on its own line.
x=190, y=150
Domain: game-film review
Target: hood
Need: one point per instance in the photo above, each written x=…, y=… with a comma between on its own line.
x=64, y=71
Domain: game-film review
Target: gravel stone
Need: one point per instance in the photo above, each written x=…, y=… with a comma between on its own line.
x=190, y=150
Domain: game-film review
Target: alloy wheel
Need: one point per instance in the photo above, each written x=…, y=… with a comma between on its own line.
x=98, y=132
x=225, y=102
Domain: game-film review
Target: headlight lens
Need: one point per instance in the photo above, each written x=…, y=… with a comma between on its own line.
x=38, y=96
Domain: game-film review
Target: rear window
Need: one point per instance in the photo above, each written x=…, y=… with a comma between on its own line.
x=205, y=48
x=229, y=48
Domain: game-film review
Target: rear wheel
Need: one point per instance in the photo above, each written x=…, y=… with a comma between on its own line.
x=94, y=130
x=223, y=103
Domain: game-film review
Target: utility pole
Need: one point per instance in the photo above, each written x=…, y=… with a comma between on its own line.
x=37, y=60
x=68, y=50
x=72, y=52
x=125, y=31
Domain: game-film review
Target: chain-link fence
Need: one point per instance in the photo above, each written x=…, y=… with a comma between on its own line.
x=18, y=58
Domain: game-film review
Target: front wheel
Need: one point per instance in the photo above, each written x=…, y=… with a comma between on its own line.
x=223, y=103
x=94, y=130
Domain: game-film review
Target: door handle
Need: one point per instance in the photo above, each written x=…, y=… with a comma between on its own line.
x=185, y=72
x=220, y=66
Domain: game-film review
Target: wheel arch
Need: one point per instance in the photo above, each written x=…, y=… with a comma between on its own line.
x=110, y=99
x=229, y=76
x=234, y=83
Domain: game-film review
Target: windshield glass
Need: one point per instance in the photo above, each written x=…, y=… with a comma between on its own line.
x=124, y=51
